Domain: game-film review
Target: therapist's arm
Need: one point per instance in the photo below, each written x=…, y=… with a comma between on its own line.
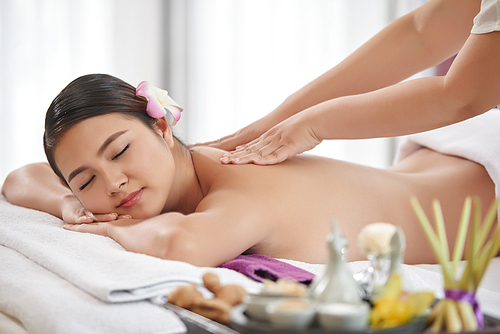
x=421, y=39
x=471, y=87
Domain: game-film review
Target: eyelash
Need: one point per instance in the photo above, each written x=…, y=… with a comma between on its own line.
x=87, y=183
x=115, y=157
x=122, y=151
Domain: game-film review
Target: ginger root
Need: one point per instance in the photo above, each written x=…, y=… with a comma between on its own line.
x=184, y=296
x=217, y=308
x=233, y=294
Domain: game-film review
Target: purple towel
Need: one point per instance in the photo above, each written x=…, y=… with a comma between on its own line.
x=259, y=267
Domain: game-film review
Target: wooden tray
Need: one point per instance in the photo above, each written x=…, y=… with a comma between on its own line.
x=196, y=324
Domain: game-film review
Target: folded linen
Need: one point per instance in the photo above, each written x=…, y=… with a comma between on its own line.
x=97, y=264
x=45, y=270
x=475, y=139
x=46, y=303
x=260, y=267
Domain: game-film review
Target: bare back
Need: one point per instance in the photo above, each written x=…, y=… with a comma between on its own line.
x=287, y=208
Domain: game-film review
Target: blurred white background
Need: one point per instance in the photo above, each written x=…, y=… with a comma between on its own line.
x=226, y=62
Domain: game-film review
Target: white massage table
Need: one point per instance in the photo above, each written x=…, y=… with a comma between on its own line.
x=56, y=296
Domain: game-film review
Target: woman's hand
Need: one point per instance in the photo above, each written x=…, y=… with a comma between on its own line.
x=73, y=212
x=283, y=141
x=104, y=228
x=242, y=136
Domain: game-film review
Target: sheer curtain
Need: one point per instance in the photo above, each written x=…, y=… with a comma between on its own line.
x=232, y=62
x=44, y=44
x=226, y=62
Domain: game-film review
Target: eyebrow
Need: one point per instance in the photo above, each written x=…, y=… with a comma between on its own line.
x=101, y=150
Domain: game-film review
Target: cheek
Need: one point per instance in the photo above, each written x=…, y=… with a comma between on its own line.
x=96, y=201
x=154, y=164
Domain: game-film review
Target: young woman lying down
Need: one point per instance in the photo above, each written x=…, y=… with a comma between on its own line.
x=118, y=172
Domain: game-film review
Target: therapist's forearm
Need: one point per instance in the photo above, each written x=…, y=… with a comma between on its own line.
x=471, y=87
x=409, y=107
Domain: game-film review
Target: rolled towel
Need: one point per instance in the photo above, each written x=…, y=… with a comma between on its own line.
x=260, y=267
x=476, y=139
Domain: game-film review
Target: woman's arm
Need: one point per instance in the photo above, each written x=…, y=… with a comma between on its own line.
x=37, y=187
x=410, y=44
x=207, y=238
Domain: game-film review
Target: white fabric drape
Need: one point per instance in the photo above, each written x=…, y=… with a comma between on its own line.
x=44, y=44
x=241, y=59
x=226, y=62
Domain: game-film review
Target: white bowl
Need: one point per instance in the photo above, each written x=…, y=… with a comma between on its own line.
x=295, y=313
x=344, y=316
x=256, y=305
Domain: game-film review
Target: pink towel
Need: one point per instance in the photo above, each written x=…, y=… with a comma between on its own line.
x=259, y=267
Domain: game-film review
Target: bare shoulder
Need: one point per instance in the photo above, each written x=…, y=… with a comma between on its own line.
x=207, y=152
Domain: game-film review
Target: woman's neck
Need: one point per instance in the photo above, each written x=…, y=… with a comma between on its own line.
x=186, y=192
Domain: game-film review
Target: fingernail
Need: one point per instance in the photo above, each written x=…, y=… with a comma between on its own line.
x=224, y=159
x=127, y=216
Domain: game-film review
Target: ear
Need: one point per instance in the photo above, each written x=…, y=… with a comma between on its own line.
x=166, y=131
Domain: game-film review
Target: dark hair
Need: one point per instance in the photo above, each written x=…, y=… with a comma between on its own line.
x=89, y=96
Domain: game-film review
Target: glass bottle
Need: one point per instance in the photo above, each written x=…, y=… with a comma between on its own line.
x=336, y=284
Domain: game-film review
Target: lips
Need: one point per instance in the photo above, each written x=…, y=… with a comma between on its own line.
x=131, y=199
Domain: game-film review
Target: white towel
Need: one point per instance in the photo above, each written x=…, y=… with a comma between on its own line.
x=47, y=304
x=476, y=139
x=95, y=264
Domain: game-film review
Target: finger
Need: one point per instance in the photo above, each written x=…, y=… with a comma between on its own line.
x=250, y=143
x=243, y=151
x=106, y=217
x=241, y=157
x=87, y=217
x=124, y=217
x=251, y=152
x=94, y=228
x=82, y=220
x=279, y=155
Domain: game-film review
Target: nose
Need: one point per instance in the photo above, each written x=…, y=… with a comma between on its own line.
x=115, y=181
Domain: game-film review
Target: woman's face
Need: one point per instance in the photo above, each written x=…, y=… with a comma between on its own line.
x=115, y=164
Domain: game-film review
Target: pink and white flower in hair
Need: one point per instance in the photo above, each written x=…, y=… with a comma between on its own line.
x=158, y=102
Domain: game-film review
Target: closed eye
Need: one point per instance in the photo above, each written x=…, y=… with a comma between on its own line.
x=122, y=151
x=87, y=183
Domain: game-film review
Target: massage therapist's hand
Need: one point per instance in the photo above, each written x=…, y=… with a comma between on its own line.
x=283, y=141
x=242, y=136
x=73, y=212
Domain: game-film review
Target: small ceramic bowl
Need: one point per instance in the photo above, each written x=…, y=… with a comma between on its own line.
x=256, y=305
x=297, y=313
x=343, y=316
